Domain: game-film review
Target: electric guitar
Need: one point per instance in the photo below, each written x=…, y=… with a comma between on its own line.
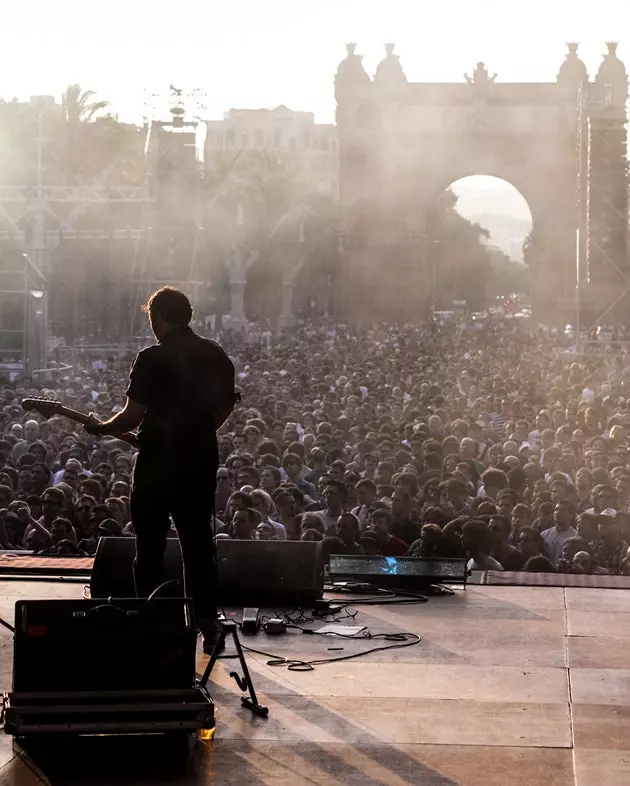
x=48, y=408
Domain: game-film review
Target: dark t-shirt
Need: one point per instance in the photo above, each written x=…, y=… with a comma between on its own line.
x=395, y=547
x=181, y=381
x=406, y=530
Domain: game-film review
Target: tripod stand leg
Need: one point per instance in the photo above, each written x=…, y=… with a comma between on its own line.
x=218, y=647
x=244, y=683
x=250, y=702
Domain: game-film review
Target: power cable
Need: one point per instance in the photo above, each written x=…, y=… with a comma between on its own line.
x=297, y=664
x=292, y=619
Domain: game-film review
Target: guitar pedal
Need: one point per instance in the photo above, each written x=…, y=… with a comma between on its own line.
x=251, y=621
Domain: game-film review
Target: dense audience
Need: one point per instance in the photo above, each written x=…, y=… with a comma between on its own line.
x=483, y=440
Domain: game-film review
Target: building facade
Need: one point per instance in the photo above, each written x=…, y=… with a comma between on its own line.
x=312, y=146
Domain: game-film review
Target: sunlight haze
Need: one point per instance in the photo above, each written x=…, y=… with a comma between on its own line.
x=247, y=53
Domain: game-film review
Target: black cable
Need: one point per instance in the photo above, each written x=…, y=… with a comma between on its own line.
x=440, y=589
x=157, y=590
x=7, y=625
x=338, y=615
x=295, y=664
x=395, y=601
x=341, y=613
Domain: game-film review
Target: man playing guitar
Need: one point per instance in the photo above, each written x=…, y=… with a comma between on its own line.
x=181, y=390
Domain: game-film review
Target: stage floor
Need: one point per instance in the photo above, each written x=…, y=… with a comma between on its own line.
x=509, y=685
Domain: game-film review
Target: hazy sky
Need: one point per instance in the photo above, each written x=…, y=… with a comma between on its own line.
x=253, y=53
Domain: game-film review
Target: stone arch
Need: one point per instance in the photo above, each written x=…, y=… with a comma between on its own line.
x=420, y=137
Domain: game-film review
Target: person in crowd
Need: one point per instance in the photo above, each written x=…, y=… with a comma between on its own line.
x=539, y=564
x=244, y=524
x=31, y=436
x=311, y=535
x=477, y=543
x=570, y=548
x=287, y=513
x=389, y=545
x=584, y=562
x=294, y=472
x=610, y=548
x=264, y=531
x=333, y=499
x=432, y=543
x=508, y=556
x=348, y=532
x=563, y=529
x=365, y=491
x=530, y=543
x=262, y=502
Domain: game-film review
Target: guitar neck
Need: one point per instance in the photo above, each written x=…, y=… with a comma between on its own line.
x=80, y=417
x=51, y=408
x=74, y=414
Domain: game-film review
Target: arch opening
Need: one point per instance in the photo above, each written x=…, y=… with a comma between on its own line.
x=479, y=234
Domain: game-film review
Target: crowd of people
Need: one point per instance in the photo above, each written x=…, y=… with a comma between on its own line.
x=478, y=439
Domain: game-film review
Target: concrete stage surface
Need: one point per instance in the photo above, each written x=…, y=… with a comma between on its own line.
x=515, y=686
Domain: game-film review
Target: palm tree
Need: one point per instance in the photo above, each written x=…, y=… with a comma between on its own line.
x=78, y=105
x=77, y=108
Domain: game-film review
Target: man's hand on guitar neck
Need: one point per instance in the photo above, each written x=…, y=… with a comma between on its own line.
x=122, y=423
x=95, y=427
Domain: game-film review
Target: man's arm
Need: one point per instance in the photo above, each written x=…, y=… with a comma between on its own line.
x=126, y=420
x=221, y=415
x=223, y=412
x=34, y=524
x=140, y=383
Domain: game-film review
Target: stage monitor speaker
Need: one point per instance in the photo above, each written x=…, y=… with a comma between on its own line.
x=92, y=645
x=112, y=572
x=397, y=572
x=268, y=573
x=250, y=572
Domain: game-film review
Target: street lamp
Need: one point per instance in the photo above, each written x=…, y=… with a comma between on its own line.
x=38, y=294
x=434, y=246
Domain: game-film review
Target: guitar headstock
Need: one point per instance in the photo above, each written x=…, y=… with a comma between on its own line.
x=46, y=407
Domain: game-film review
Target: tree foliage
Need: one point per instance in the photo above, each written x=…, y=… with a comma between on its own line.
x=79, y=144
x=467, y=267
x=261, y=201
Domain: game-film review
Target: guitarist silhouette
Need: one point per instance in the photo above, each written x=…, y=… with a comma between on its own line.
x=181, y=390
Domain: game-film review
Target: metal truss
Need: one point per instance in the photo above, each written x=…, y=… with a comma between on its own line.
x=71, y=194
x=622, y=290
x=28, y=213
x=54, y=237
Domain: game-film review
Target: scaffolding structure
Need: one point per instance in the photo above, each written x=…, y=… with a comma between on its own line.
x=36, y=217
x=161, y=240
x=23, y=315
x=171, y=248
x=602, y=258
x=41, y=219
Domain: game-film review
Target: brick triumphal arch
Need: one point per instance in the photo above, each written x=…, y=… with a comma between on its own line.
x=561, y=144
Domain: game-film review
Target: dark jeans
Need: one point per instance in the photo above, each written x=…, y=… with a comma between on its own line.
x=189, y=497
